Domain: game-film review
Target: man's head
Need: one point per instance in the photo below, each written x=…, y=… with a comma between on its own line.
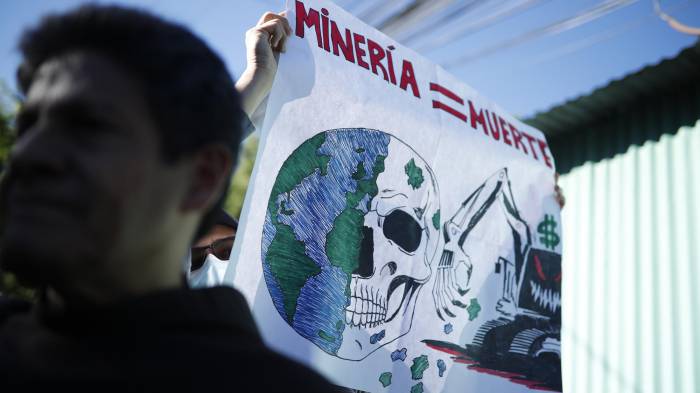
x=209, y=255
x=124, y=149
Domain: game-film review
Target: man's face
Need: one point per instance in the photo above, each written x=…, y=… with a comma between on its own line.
x=87, y=196
x=218, y=241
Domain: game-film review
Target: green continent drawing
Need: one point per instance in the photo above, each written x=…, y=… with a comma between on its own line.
x=313, y=229
x=436, y=220
x=304, y=161
x=344, y=240
x=290, y=277
x=420, y=364
x=473, y=309
x=414, y=173
x=285, y=247
x=385, y=379
x=417, y=388
x=326, y=336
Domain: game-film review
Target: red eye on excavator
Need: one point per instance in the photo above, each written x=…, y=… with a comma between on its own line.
x=540, y=271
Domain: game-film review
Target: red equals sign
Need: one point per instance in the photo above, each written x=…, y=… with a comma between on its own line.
x=451, y=95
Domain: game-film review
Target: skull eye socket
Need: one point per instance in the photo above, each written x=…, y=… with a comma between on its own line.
x=402, y=229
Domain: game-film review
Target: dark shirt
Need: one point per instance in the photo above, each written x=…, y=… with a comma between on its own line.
x=180, y=340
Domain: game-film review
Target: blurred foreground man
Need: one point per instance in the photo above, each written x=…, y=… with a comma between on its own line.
x=125, y=145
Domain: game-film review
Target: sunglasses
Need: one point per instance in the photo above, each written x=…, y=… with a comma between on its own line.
x=220, y=248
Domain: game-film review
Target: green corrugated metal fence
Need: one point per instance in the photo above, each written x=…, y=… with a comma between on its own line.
x=631, y=297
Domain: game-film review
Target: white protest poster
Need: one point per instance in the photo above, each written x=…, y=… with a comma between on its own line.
x=400, y=232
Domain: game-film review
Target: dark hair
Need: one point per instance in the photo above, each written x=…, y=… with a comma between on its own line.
x=225, y=219
x=187, y=87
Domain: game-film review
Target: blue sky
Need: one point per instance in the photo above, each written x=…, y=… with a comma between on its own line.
x=530, y=77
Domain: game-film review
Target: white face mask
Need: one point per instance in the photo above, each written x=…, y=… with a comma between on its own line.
x=210, y=274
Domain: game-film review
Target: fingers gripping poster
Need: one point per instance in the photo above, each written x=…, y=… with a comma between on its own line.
x=401, y=232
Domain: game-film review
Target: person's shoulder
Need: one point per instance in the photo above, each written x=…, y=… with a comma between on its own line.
x=291, y=369
x=10, y=307
x=259, y=368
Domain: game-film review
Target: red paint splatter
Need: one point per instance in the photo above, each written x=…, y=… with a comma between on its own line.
x=513, y=377
x=520, y=379
x=445, y=350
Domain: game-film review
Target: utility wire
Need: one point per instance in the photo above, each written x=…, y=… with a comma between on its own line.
x=371, y=14
x=673, y=22
x=352, y=6
x=418, y=11
x=579, y=19
x=480, y=24
x=595, y=39
x=586, y=42
x=443, y=20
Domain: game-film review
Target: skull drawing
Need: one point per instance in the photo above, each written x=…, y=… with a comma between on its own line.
x=400, y=239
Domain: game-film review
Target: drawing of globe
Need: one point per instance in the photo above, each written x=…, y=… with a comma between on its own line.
x=330, y=175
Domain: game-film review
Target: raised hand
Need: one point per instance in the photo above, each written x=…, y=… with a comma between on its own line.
x=264, y=42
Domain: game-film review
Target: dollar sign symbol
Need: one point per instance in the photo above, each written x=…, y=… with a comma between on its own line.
x=546, y=228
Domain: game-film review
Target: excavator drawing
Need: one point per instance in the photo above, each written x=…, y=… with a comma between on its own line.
x=523, y=342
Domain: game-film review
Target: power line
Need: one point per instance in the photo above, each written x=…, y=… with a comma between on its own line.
x=469, y=28
x=443, y=20
x=415, y=13
x=351, y=6
x=596, y=39
x=586, y=42
x=579, y=19
x=377, y=11
x=673, y=22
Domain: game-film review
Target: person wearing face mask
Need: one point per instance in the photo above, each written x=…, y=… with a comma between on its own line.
x=207, y=260
x=209, y=256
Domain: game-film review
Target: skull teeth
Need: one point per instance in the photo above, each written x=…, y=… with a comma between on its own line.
x=366, y=308
x=356, y=319
x=364, y=313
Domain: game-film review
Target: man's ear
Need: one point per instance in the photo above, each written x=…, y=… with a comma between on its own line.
x=212, y=167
